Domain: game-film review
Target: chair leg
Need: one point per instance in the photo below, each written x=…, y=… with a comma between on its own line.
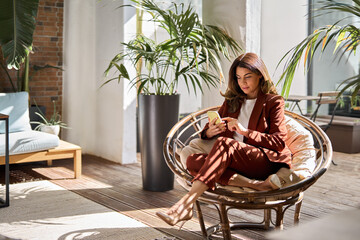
x=201, y=219
x=267, y=218
x=279, y=217
x=297, y=212
x=224, y=221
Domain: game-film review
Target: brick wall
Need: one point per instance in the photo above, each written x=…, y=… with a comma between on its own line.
x=45, y=85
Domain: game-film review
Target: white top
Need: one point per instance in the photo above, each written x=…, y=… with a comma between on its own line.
x=244, y=116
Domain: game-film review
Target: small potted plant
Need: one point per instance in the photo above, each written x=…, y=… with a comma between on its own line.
x=51, y=125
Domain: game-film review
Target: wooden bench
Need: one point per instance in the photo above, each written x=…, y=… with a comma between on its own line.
x=63, y=151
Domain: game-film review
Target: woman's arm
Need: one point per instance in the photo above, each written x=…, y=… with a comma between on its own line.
x=211, y=129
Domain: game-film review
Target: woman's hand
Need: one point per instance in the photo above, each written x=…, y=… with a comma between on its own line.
x=234, y=125
x=215, y=129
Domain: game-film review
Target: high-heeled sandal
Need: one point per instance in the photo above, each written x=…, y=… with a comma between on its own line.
x=173, y=220
x=274, y=181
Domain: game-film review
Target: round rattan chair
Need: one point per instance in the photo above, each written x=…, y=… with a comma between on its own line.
x=227, y=198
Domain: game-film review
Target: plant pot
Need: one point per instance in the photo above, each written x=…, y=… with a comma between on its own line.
x=55, y=129
x=34, y=117
x=157, y=115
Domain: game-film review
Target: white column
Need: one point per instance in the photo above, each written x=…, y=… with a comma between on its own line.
x=241, y=18
x=102, y=120
x=79, y=73
x=129, y=94
x=253, y=26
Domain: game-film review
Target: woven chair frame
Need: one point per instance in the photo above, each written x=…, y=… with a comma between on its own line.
x=225, y=199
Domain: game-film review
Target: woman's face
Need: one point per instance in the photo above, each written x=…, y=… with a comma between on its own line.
x=248, y=81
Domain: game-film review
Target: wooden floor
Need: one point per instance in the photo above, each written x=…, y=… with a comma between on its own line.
x=120, y=188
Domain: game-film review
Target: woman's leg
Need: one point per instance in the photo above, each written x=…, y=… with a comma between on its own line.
x=249, y=161
x=196, y=161
x=187, y=201
x=226, y=154
x=182, y=210
x=228, y=157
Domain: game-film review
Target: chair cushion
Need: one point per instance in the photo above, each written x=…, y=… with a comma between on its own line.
x=17, y=107
x=301, y=144
x=28, y=141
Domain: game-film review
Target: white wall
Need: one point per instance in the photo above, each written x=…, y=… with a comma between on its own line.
x=102, y=120
x=283, y=25
x=231, y=15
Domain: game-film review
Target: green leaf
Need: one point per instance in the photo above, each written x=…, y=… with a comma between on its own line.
x=190, y=51
x=17, y=24
x=339, y=40
x=347, y=39
x=123, y=71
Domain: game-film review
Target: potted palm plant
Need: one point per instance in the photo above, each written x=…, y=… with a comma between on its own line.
x=190, y=54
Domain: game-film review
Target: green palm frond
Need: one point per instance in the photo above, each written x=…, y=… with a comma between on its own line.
x=351, y=84
x=191, y=51
x=347, y=39
x=17, y=24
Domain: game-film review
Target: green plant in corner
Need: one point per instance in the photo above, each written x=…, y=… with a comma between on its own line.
x=191, y=50
x=17, y=25
x=347, y=38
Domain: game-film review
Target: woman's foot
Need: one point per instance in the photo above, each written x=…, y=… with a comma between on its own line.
x=271, y=183
x=172, y=217
x=182, y=210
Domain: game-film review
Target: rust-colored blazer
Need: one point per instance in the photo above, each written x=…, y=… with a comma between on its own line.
x=267, y=128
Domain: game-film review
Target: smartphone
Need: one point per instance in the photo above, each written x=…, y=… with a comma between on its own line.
x=212, y=115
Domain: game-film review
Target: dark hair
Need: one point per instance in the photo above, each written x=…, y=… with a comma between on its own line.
x=255, y=64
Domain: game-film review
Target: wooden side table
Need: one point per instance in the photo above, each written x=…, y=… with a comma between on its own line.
x=6, y=202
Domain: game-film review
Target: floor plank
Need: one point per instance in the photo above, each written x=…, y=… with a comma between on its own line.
x=119, y=187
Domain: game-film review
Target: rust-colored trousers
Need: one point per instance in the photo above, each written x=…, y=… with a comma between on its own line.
x=228, y=157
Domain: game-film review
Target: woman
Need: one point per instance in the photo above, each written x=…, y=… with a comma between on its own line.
x=250, y=139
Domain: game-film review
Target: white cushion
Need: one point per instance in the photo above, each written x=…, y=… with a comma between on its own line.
x=301, y=144
x=28, y=141
x=17, y=107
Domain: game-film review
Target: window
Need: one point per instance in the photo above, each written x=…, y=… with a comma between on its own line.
x=327, y=70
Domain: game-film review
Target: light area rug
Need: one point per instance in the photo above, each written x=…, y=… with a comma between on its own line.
x=43, y=210
x=341, y=225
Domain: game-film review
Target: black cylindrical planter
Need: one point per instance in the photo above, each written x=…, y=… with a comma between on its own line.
x=157, y=115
